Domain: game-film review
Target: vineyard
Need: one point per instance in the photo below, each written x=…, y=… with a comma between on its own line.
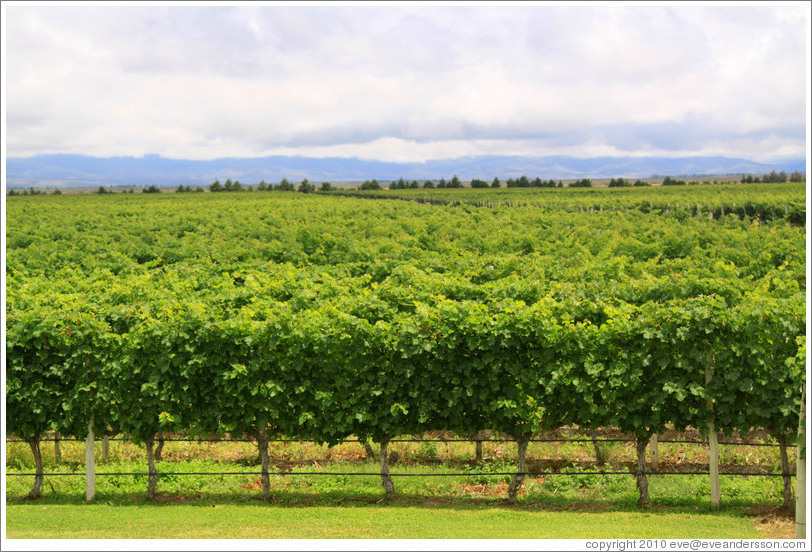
x=777, y=200
x=325, y=316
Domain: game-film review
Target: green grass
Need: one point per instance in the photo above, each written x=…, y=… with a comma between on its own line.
x=344, y=506
x=385, y=521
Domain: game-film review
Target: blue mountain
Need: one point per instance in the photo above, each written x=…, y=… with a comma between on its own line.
x=81, y=171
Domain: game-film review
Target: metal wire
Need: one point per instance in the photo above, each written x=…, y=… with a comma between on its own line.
x=579, y=440
x=473, y=474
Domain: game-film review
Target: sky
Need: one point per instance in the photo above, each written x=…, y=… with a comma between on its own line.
x=406, y=82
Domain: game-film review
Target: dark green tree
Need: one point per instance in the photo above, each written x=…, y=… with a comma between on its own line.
x=285, y=186
x=306, y=187
x=371, y=185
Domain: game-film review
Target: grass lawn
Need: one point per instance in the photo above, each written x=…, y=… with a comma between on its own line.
x=385, y=521
x=340, y=506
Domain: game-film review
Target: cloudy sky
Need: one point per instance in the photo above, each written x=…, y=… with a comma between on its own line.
x=406, y=82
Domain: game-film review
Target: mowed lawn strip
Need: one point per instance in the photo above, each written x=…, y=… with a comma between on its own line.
x=36, y=521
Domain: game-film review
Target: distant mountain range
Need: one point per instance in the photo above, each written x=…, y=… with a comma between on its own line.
x=84, y=171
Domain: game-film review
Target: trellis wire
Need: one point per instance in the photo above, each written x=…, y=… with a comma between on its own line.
x=377, y=474
x=583, y=440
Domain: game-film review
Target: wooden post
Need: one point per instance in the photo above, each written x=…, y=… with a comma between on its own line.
x=713, y=441
x=600, y=457
x=106, y=449
x=800, y=473
x=57, y=450
x=478, y=450
x=90, y=463
x=655, y=452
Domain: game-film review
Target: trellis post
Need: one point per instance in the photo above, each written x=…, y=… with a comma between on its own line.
x=90, y=463
x=655, y=452
x=713, y=441
x=800, y=473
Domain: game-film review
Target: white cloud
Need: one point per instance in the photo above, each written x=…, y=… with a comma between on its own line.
x=406, y=83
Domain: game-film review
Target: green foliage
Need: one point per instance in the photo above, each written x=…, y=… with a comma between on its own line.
x=326, y=316
x=285, y=186
x=306, y=187
x=370, y=185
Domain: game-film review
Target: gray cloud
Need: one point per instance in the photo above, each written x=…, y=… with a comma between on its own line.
x=406, y=83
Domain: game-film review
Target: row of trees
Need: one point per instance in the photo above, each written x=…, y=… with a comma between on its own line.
x=774, y=177
x=31, y=191
x=400, y=184
x=622, y=182
x=305, y=186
